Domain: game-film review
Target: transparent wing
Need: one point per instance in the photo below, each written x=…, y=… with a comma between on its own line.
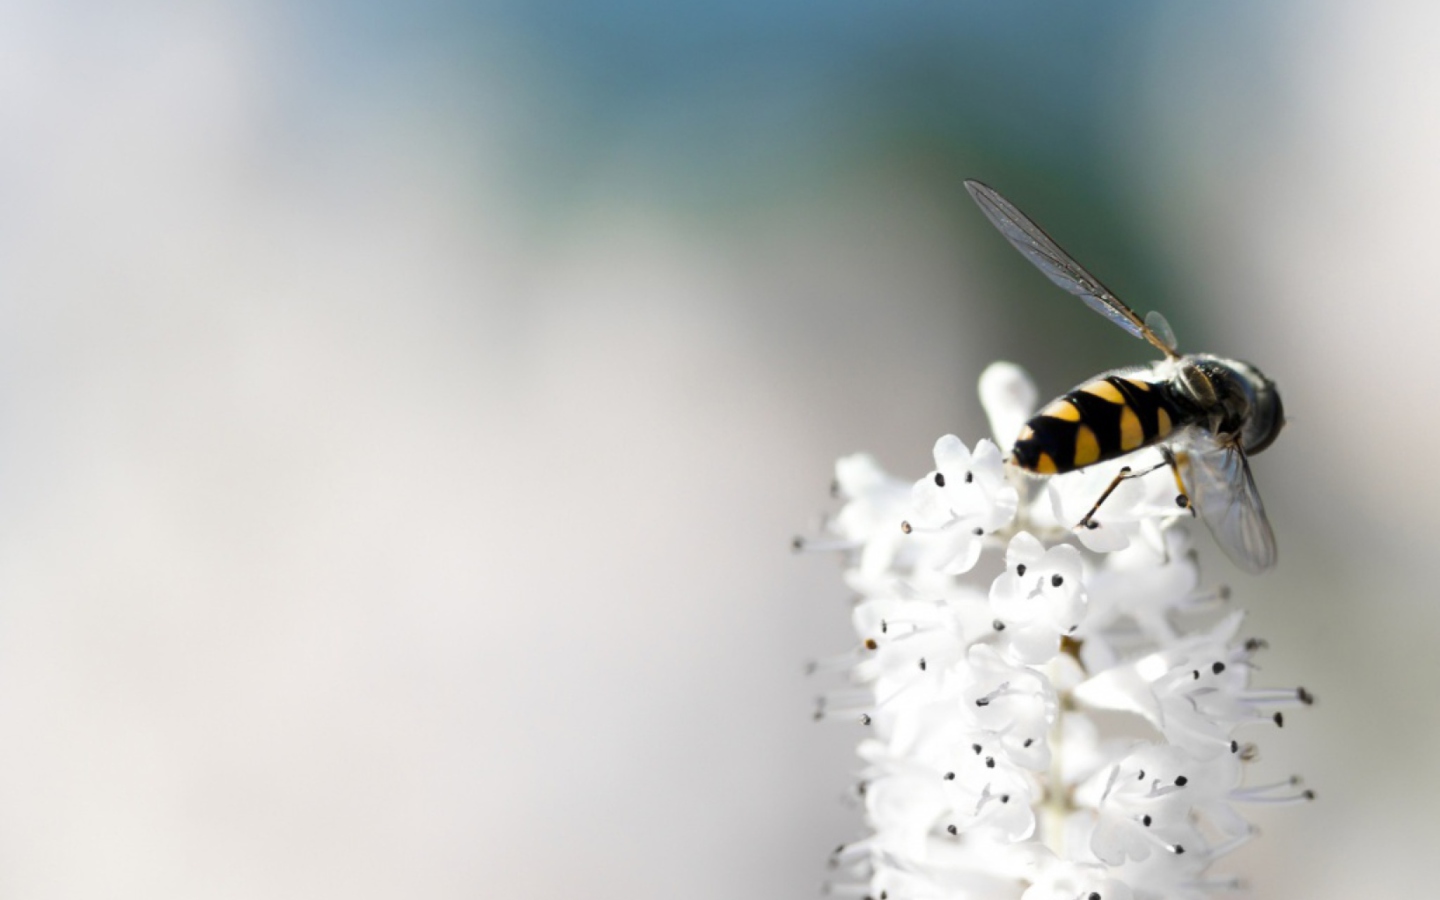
x=1037, y=246
x=1223, y=491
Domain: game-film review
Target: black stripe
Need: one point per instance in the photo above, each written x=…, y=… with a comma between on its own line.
x=1146, y=405
x=1053, y=436
x=1162, y=396
x=1103, y=417
x=1057, y=436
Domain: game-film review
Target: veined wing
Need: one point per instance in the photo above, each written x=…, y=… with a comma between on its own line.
x=1038, y=247
x=1223, y=490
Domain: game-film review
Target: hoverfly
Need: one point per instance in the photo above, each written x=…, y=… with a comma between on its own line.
x=1205, y=413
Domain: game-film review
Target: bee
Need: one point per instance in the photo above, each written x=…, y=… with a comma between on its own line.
x=1206, y=414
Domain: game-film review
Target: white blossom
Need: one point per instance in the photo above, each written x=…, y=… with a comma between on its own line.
x=966, y=498
x=995, y=638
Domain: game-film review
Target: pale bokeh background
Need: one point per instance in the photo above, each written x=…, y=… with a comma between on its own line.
x=404, y=411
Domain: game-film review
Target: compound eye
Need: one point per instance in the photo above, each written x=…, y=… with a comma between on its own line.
x=1268, y=418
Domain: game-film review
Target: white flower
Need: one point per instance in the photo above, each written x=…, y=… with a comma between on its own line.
x=1133, y=591
x=1015, y=704
x=876, y=505
x=1064, y=880
x=1145, y=806
x=991, y=632
x=1039, y=598
x=1009, y=398
x=966, y=498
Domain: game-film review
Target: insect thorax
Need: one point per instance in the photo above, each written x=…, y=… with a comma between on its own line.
x=1107, y=417
x=1245, y=405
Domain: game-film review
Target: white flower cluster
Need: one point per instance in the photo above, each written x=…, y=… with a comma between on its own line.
x=992, y=649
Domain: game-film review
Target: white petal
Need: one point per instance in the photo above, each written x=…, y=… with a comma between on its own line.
x=1025, y=549
x=1014, y=819
x=1121, y=689
x=1033, y=645
x=858, y=473
x=966, y=554
x=951, y=454
x=1105, y=537
x=929, y=504
x=987, y=459
x=1010, y=598
x=1009, y=398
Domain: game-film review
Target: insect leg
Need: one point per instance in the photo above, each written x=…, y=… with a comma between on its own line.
x=1124, y=475
x=1182, y=499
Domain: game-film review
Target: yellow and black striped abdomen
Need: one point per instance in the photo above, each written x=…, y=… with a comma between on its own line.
x=1099, y=420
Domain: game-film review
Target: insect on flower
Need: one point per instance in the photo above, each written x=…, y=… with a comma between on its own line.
x=1204, y=413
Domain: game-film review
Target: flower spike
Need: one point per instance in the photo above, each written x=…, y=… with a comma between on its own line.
x=995, y=640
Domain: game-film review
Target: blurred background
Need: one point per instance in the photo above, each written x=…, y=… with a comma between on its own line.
x=405, y=410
